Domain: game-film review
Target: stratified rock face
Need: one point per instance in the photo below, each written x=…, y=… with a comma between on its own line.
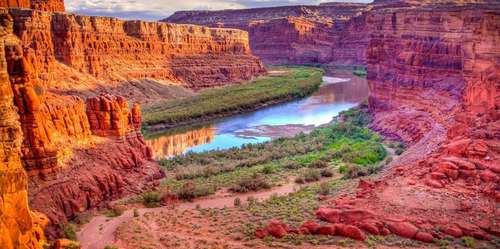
x=434, y=80
x=292, y=40
x=64, y=141
x=46, y=5
x=295, y=34
x=19, y=227
x=89, y=55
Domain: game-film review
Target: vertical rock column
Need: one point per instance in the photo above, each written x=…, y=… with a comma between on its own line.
x=19, y=227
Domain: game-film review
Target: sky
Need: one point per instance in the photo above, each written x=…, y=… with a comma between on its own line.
x=159, y=9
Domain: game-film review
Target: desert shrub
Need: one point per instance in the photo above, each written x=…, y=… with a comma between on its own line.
x=355, y=171
x=318, y=164
x=237, y=202
x=343, y=169
x=268, y=169
x=69, y=231
x=110, y=247
x=136, y=212
x=114, y=212
x=190, y=190
x=326, y=172
x=324, y=188
x=309, y=175
x=300, y=180
x=252, y=183
x=151, y=199
x=469, y=242
x=289, y=164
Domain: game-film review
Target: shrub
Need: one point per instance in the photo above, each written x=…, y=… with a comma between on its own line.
x=309, y=175
x=136, y=213
x=268, y=169
x=324, y=188
x=237, y=202
x=114, y=212
x=300, y=180
x=69, y=231
x=343, y=169
x=253, y=183
x=189, y=191
x=318, y=164
x=469, y=242
x=326, y=172
x=110, y=247
x=289, y=164
x=151, y=199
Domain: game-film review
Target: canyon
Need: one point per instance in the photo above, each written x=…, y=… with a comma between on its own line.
x=85, y=56
x=72, y=87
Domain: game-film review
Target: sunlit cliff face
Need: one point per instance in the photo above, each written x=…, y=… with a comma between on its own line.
x=168, y=146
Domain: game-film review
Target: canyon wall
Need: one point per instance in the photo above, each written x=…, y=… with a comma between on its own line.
x=45, y=5
x=86, y=56
x=79, y=154
x=434, y=78
x=330, y=33
x=19, y=226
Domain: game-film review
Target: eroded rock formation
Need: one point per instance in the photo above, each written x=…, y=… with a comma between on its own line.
x=19, y=226
x=46, y=5
x=434, y=80
x=84, y=55
x=295, y=34
x=65, y=140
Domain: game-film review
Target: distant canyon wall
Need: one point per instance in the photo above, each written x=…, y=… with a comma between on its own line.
x=86, y=56
x=330, y=33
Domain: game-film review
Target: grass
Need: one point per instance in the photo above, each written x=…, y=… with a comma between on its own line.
x=214, y=103
x=348, y=147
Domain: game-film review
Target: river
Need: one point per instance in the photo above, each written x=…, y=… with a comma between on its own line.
x=338, y=92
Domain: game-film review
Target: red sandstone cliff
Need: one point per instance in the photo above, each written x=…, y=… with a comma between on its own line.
x=46, y=5
x=83, y=55
x=78, y=154
x=435, y=79
x=330, y=33
x=19, y=227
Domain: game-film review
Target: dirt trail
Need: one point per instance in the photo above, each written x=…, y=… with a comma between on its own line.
x=100, y=231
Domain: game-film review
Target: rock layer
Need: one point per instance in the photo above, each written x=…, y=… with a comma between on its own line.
x=294, y=34
x=46, y=5
x=87, y=55
x=19, y=226
x=95, y=143
x=434, y=81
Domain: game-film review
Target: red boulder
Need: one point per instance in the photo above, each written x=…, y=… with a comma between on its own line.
x=403, y=229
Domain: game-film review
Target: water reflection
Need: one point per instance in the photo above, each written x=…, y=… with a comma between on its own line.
x=338, y=93
x=169, y=145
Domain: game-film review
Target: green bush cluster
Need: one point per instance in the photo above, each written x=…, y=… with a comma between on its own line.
x=190, y=190
x=253, y=183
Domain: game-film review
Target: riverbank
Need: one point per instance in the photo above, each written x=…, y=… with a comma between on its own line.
x=282, y=179
x=288, y=84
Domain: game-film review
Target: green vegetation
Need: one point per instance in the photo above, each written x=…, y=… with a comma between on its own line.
x=348, y=147
x=151, y=199
x=253, y=183
x=69, y=231
x=213, y=103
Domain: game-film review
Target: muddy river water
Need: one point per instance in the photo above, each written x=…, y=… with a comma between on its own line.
x=337, y=93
